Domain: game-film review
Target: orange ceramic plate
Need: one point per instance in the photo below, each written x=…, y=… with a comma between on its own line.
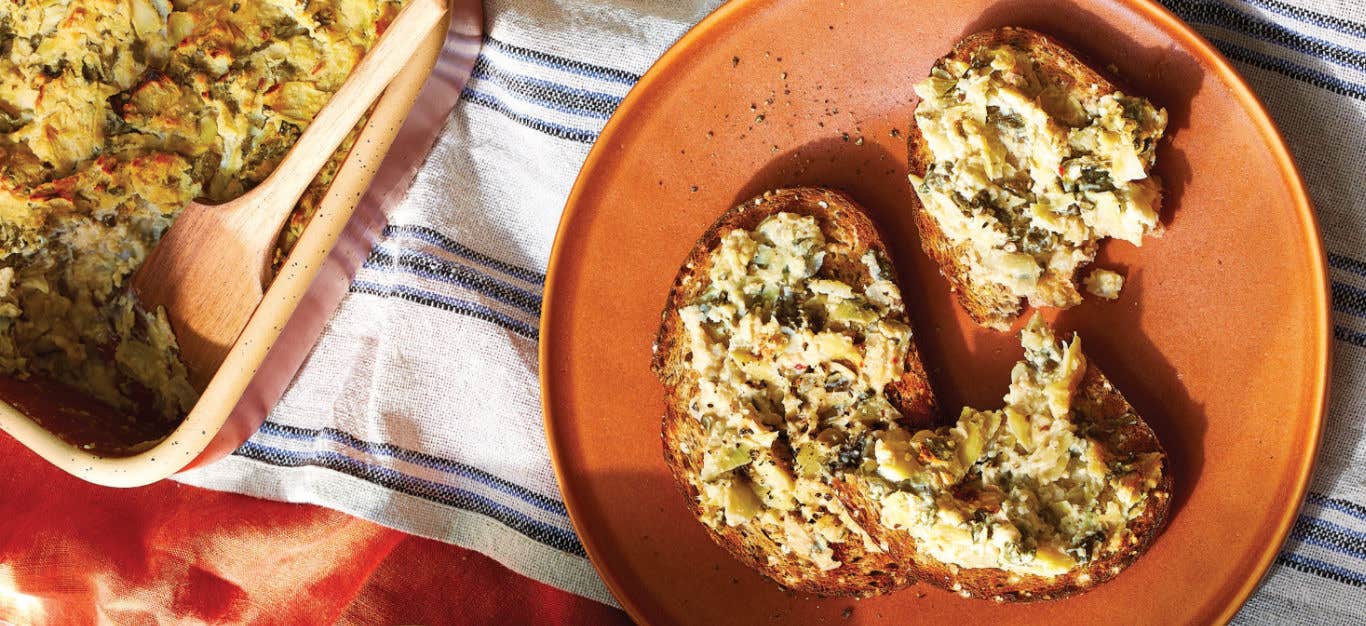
x=1220, y=338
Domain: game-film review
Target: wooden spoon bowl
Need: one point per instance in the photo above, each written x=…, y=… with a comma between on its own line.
x=210, y=270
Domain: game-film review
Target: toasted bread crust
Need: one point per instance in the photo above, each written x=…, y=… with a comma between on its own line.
x=990, y=304
x=1114, y=423
x=864, y=572
x=1097, y=404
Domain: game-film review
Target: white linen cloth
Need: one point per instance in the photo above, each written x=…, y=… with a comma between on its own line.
x=419, y=407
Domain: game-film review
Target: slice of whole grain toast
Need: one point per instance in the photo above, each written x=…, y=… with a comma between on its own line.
x=889, y=559
x=864, y=572
x=987, y=303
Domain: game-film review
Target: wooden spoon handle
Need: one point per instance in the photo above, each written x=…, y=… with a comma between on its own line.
x=275, y=198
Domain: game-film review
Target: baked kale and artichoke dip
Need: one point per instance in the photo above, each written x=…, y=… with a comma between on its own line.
x=114, y=115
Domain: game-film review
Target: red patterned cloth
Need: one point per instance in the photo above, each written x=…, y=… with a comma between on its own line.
x=76, y=553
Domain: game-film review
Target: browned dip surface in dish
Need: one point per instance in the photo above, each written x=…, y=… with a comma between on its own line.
x=115, y=114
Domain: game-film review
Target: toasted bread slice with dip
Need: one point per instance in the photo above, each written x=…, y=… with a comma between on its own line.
x=1023, y=159
x=785, y=324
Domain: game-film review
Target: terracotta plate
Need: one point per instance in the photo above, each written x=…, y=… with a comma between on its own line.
x=1220, y=338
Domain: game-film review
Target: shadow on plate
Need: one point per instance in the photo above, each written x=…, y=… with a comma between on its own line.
x=970, y=365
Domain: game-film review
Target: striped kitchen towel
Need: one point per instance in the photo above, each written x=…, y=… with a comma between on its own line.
x=419, y=407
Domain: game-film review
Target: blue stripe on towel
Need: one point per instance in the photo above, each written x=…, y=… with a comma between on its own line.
x=557, y=538
x=436, y=238
x=1330, y=536
x=447, y=303
x=561, y=63
x=428, y=266
x=1321, y=568
x=554, y=96
x=480, y=98
x=1348, y=335
x=1337, y=504
x=1347, y=264
x=1348, y=299
x=1331, y=22
x=1318, y=542
x=1223, y=16
x=418, y=458
x=537, y=99
x=1291, y=70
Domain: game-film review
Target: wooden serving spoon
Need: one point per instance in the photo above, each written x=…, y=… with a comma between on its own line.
x=210, y=269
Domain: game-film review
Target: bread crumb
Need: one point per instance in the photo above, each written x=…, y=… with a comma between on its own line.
x=1104, y=283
